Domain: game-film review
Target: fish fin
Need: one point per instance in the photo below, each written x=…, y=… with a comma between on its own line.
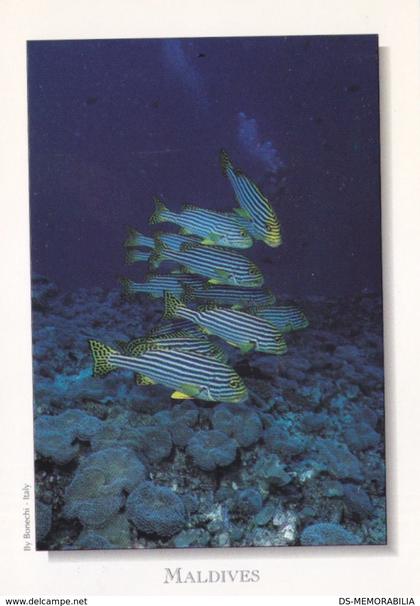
x=143, y=380
x=222, y=273
x=232, y=343
x=211, y=239
x=218, y=353
x=186, y=391
x=188, y=293
x=133, y=237
x=188, y=246
x=157, y=256
x=160, y=208
x=184, y=231
x=246, y=347
x=179, y=395
x=190, y=207
x=127, y=287
x=215, y=281
x=237, y=307
x=208, y=306
x=225, y=162
x=242, y=213
x=132, y=255
x=203, y=330
x=172, y=305
x=101, y=354
x=122, y=345
x=185, y=270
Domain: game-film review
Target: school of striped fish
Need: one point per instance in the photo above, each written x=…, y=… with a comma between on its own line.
x=214, y=292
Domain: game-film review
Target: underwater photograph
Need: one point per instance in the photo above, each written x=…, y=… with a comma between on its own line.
x=207, y=329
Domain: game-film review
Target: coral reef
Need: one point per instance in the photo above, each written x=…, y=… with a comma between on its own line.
x=156, y=510
x=99, y=440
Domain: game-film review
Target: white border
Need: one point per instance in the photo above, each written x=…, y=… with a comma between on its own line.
x=391, y=570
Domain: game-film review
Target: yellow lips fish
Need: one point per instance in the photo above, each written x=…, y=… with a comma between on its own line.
x=256, y=211
x=191, y=375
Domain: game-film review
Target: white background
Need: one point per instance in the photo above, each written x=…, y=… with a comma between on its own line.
x=391, y=570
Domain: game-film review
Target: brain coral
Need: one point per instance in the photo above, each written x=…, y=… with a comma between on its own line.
x=211, y=449
x=155, y=443
x=179, y=421
x=95, y=493
x=325, y=533
x=156, y=510
x=278, y=439
x=115, y=533
x=239, y=422
x=152, y=442
x=54, y=435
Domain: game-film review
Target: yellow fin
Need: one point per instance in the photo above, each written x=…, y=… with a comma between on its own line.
x=178, y=395
x=232, y=343
x=143, y=380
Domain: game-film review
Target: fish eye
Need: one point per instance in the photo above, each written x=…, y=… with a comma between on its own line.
x=235, y=382
x=242, y=233
x=278, y=338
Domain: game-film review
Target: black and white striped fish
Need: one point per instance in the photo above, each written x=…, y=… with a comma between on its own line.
x=242, y=330
x=156, y=285
x=133, y=256
x=190, y=374
x=200, y=345
x=256, y=211
x=230, y=295
x=219, y=265
x=215, y=228
x=178, y=328
x=285, y=317
x=173, y=241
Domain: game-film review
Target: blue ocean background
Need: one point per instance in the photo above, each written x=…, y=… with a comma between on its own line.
x=113, y=123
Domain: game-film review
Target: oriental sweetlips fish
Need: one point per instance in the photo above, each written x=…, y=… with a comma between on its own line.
x=242, y=330
x=191, y=375
x=285, y=317
x=133, y=256
x=179, y=328
x=215, y=228
x=221, y=266
x=229, y=295
x=173, y=241
x=256, y=211
x=156, y=285
x=200, y=345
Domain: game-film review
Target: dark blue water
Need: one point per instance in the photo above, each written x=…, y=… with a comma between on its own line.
x=114, y=122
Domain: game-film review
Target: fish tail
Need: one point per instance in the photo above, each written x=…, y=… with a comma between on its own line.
x=132, y=256
x=160, y=209
x=101, y=354
x=225, y=162
x=130, y=288
x=172, y=306
x=156, y=257
x=122, y=344
x=135, y=238
x=188, y=293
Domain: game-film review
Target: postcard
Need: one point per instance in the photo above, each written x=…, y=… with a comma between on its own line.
x=206, y=292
